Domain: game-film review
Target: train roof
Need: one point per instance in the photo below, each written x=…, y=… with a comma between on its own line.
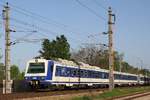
x=82, y=65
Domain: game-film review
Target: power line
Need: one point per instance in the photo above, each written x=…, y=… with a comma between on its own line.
x=39, y=28
x=23, y=28
x=46, y=21
x=39, y=18
x=90, y=10
x=93, y=35
x=42, y=18
x=27, y=40
x=99, y=4
x=34, y=26
x=24, y=37
x=28, y=31
x=35, y=15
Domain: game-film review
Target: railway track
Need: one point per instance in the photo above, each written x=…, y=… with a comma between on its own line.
x=42, y=93
x=49, y=93
x=131, y=96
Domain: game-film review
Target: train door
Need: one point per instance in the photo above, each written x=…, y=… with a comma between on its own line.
x=50, y=70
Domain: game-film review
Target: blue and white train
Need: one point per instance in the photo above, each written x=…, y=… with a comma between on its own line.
x=44, y=73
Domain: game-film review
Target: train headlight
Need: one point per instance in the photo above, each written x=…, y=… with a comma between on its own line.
x=34, y=78
x=26, y=78
x=42, y=78
x=36, y=82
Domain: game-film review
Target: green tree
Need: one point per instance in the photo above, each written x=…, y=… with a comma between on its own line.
x=21, y=75
x=14, y=71
x=45, y=52
x=58, y=48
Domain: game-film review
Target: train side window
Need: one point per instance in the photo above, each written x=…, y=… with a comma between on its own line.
x=78, y=73
x=96, y=74
x=106, y=75
x=100, y=74
x=89, y=74
x=81, y=73
x=63, y=71
x=58, y=71
x=68, y=72
x=103, y=75
x=72, y=72
x=86, y=73
x=121, y=77
x=116, y=76
x=124, y=77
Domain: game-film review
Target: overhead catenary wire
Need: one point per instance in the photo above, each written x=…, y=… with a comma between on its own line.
x=34, y=26
x=25, y=36
x=93, y=35
x=39, y=28
x=14, y=28
x=35, y=15
x=44, y=19
x=21, y=27
x=28, y=40
x=41, y=18
x=99, y=4
x=29, y=13
x=90, y=10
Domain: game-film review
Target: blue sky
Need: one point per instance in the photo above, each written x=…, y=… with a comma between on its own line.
x=131, y=32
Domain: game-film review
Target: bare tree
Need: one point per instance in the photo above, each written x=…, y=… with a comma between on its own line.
x=92, y=54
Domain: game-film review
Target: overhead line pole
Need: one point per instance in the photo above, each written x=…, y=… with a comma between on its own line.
x=111, y=51
x=8, y=82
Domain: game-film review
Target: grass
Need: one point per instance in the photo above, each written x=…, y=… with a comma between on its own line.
x=114, y=93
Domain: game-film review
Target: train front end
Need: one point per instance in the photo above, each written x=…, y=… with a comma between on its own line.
x=38, y=73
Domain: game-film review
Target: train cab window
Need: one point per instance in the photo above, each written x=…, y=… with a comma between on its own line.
x=36, y=68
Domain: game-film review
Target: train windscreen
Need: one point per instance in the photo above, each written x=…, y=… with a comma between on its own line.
x=36, y=68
